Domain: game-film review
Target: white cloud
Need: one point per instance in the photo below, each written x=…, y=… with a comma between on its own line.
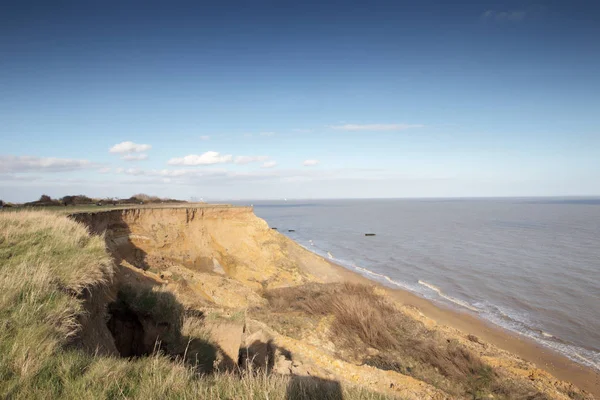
x=221, y=176
x=267, y=134
x=269, y=164
x=302, y=130
x=310, y=163
x=504, y=15
x=48, y=164
x=129, y=147
x=204, y=137
x=250, y=159
x=104, y=170
x=119, y=170
x=375, y=127
x=208, y=158
x=247, y=134
x=134, y=157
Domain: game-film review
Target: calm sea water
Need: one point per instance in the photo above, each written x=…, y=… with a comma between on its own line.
x=529, y=265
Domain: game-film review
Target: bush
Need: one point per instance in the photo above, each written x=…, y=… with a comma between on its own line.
x=44, y=201
x=76, y=200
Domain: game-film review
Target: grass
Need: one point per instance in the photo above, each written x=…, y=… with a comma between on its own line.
x=153, y=302
x=362, y=319
x=79, y=376
x=49, y=265
x=93, y=208
x=231, y=316
x=46, y=263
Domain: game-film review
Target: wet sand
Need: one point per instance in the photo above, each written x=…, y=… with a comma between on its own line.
x=546, y=359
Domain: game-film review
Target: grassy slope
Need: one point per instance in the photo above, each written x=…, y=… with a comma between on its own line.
x=46, y=262
x=363, y=319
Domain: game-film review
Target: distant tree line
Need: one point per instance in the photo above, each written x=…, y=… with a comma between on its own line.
x=80, y=199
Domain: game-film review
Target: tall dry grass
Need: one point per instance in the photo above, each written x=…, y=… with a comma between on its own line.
x=363, y=319
x=79, y=376
x=46, y=262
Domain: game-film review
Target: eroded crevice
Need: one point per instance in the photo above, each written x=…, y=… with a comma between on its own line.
x=127, y=331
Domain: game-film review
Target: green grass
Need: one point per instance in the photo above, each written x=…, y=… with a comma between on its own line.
x=74, y=375
x=93, y=208
x=45, y=264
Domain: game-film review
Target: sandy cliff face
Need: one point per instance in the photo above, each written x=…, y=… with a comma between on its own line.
x=227, y=241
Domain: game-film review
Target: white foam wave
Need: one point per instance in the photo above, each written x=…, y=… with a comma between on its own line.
x=368, y=272
x=449, y=298
x=588, y=361
x=519, y=323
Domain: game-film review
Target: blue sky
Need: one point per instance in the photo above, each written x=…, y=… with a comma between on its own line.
x=250, y=100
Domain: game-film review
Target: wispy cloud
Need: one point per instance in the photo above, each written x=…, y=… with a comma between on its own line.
x=269, y=164
x=189, y=176
x=302, y=130
x=105, y=170
x=517, y=15
x=250, y=159
x=130, y=151
x=267, y=134
x=134, y=157
x=129, y=147
x=47, y=164
x=208, y=158
x=204, y=137
x=310, y=163
x=375, y=127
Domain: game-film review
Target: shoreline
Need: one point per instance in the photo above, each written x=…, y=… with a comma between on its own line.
x=546, y=359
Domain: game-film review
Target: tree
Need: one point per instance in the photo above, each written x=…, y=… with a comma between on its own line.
x=68, y=200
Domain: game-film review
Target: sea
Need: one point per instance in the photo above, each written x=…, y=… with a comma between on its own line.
x=530, y=265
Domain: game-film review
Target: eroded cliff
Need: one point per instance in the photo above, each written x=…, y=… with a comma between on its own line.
x=228, y=241
x=263, y=299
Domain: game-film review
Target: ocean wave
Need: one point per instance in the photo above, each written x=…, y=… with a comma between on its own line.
x=587, y=361
x=449, y=298
x=520, y=324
